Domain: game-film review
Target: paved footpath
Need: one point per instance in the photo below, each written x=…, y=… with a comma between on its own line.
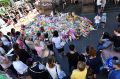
x=92, y=39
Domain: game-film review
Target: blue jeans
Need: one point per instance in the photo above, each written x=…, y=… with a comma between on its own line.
x=97, y=25
x=99, y=47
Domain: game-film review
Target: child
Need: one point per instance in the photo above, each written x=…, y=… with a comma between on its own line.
x=97, y=21
x=103, y=20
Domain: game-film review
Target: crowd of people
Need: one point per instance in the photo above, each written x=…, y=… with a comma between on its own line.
x=14, y=14
x=24, y=56
x=35, y=56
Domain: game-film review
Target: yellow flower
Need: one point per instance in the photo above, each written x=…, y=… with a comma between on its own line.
x=42, y=23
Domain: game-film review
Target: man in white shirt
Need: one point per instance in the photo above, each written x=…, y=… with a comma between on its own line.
x=97, y=21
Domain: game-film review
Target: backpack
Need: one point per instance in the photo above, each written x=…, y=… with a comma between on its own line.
x=109, y=63
x=38, y=73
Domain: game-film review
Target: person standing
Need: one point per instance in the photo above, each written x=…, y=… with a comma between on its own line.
x=48, y=42
x=116, y=39
x=97, y=21
x=80, y=72
x=53, y=68
x=99, y=3
x=74, y=57
x=115, y=74
x=5, y=40
x=116, y=2
x=54, y=6
x=103, y=19
x=18, y=65
x=103, y=5
x=23, y=55
x=93, y=61
x=57, y=40
x=37, y=70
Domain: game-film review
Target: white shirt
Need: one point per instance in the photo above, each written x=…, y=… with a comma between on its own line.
x=20, y=67
x=5, y=41
x=2, y=22
x=2, y=51
x=52, y=71
x=57, y=42
x=103, y=19
x=99, y=2
x=97, y=19
x=42, y=44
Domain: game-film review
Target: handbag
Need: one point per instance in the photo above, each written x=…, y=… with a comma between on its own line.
x=61, y=74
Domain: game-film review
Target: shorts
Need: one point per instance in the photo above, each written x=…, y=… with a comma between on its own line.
x=99, y=6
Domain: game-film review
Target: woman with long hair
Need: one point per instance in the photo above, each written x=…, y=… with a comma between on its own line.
x=46, y=53
x=23, y=55
x=57, y=40
x=38, y=48
x=80, y=72
x=48, y=42
x=93, y=61
x=20, y=41
x=52, y=67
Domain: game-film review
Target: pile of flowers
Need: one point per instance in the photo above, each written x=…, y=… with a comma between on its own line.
x=67, y=26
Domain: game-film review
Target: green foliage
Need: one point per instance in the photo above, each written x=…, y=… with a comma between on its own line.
x=5, y=3
x=2, y=11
